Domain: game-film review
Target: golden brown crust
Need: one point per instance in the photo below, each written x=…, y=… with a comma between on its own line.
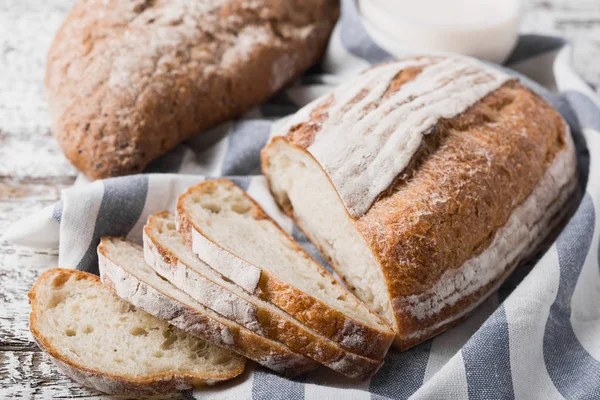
x=486, y=162
x=129, y=80
x=469, y=175
x=97, y=379
x=366, y=340
x=463, y=307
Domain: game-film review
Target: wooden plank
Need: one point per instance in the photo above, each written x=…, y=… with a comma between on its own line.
x=19, y=267
x=560, y=5
x=30, y=374
x=27, y=148
x=46, y=189
x=32, y=155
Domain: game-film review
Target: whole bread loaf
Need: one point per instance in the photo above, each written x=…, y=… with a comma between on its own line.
x=128, y=80
x=424, y=182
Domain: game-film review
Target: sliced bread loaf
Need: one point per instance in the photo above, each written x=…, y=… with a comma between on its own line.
x=122, y=267
x=168, y=254
x=232, y=234
x=424, y=182
x=104, y=343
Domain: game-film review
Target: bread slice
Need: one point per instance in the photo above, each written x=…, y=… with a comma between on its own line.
x=104, y=343
x=232, y=234
x=122, y=267
x=424, y=182
x=168, y=254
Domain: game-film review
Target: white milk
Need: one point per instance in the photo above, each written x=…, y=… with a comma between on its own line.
x=487, y=29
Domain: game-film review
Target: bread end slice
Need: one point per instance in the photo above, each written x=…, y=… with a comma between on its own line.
x=93, y=337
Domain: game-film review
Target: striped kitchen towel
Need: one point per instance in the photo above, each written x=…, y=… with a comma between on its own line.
x=538, y=337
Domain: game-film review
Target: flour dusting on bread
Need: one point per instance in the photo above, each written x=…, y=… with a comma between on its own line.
x=122, y=266
x=128, y=80
x=369, y=136
x=524, y=229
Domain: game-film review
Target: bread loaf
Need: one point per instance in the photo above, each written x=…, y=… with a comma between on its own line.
x=128, y=80
x=424, y=182
x=102, y=342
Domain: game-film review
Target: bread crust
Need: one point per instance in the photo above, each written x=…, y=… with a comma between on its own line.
x=560, y=208
x=274, y=326
x=456, y=193
x=129, y=80
x=203, y=289
x=350, y=333
x=231, y=336
x=99, y=380
x=540, y=224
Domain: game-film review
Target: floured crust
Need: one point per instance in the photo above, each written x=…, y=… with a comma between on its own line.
x=458, y=191
x=204, y=290
x=546, y=220
x=128, y=80
x=275, y=326
x=351, y=334
x=373, y=125
x=99, y=380
x=227, y=335
x=447, y=208
x=459, y=290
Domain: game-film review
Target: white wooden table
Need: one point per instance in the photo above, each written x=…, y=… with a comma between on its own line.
x=33, y=170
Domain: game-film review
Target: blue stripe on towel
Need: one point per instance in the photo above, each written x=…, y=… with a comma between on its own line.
x=246, y=140
x=574, y=372
x=268, y=385
x=169, y=162
x=530, y=46
x=409, y=365
x=122, y=204
x=487, y=360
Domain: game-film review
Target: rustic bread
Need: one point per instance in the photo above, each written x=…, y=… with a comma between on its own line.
x=128, y=80
x=264, y=260
x=122, y=267
x=104, y=343
x=169, y=255
x=424, y=182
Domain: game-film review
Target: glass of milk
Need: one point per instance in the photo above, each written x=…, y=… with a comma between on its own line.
x=486, y=29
